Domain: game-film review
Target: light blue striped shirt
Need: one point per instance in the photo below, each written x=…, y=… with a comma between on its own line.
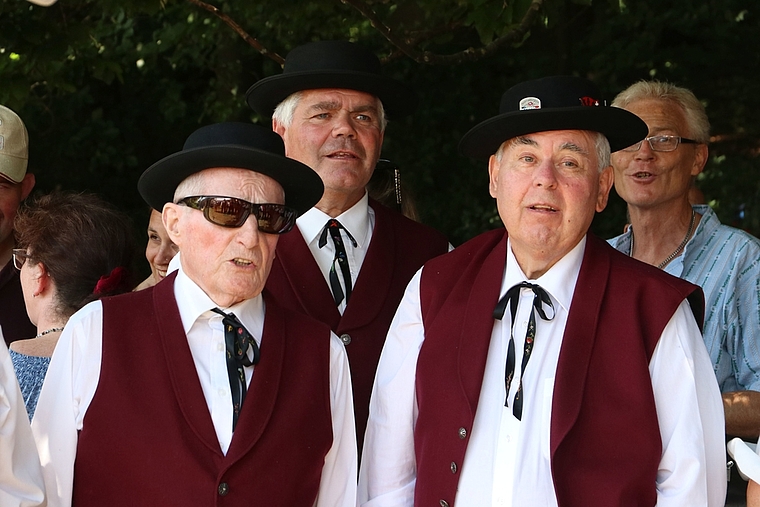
x=725, y=262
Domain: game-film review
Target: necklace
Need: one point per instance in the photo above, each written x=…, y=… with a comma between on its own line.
x=679, y=248
x=48, y=331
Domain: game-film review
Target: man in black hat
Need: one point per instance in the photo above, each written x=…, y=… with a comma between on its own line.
x=197, y=391
x=352, y=258
x=535, y=365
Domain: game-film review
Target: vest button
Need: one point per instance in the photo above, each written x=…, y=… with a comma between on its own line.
x=223, y=489
x=444, y=503
x=453, y=467
x=345, y=338
x=462, y=433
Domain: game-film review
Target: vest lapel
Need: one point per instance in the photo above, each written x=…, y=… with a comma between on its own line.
x=578, y=340
x=264, y=387
x=305, y=279
x=180, y=364
x=375, y=276
x=476, y=335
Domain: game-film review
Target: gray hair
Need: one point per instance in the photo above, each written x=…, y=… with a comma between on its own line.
x=190, y=186
x=601, y=148
x=284, y=111
x=693, y=110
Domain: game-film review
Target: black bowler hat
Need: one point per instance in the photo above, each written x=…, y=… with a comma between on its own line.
x=553, y=103
x=331, y=64
x=238, y=145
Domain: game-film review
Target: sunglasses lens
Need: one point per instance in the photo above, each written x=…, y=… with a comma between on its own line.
x=233, y=212
x=227, y=212
x=275, y=218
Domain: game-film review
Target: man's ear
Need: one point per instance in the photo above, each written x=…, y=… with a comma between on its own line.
x=606, y=179
x=27, y=184
x=278, y=127
x=700, y=158
x=170, y=216
x=493, y=175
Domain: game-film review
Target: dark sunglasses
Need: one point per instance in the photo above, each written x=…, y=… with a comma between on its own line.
x=233, y=212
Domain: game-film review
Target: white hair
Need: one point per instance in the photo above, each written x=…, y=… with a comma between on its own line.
x=285, y=110
x=190, y=186
x=693, y=110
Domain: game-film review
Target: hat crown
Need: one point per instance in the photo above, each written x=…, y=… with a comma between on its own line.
x=236, y=133
x=14, y=146
x=325, y=56
x=551, y=93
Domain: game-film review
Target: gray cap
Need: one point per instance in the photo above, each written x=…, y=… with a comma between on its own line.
x=14, y=146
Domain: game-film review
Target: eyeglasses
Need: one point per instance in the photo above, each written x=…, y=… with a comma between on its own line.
x=233, y=212
x=19, y=257
x=661, y=143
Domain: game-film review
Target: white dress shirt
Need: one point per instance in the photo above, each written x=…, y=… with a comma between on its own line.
x=359, y=220
x=20, y=473
x=689, y=408
x=74, y=372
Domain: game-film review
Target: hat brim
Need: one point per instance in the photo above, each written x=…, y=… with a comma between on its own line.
x=746, y=458
x=264, y=96
x=303, y=187
x=620, y=127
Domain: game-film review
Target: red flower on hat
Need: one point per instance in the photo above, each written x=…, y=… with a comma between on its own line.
x=588, y=101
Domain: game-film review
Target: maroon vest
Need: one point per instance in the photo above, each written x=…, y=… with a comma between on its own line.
x=399, y=247
x=605, y=441
x=148, y=438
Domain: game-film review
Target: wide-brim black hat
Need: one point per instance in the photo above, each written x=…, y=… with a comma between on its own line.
x=553, y=103
x=237, y=145
x=331, y=64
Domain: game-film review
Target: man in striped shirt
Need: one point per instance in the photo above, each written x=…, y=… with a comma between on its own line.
x=687, y=240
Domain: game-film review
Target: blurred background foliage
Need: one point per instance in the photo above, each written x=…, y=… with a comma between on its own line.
x=108, y=87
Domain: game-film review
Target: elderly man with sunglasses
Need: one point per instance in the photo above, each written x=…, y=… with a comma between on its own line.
x=198, y=391
x=688, y=241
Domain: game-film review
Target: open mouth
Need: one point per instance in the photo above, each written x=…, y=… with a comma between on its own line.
x=342, y=154
x=642, y=175
x=542, y=207
x=241, y=262
x=161, y=273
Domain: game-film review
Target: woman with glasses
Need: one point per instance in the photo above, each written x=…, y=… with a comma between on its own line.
x=73, y=249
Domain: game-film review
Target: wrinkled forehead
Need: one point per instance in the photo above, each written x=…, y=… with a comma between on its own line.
x=580, y=141
x=335, y=98
x=244, y=184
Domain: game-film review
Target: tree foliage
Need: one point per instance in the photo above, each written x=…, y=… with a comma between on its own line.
x=108, y=87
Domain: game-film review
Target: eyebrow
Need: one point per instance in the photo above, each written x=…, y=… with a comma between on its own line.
x=573, y=147
x=333, y=106
x=526, y=141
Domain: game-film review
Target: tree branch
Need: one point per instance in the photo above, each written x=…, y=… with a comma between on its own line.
x=239, y=30
x=471, y=54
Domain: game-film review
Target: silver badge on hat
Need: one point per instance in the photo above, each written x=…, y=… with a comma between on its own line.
x=530, y=103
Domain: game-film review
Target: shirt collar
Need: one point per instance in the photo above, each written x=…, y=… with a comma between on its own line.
x=558, y=281
x=194, y=303
x=355, y=220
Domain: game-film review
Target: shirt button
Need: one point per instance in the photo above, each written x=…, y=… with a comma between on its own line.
x=444, y=503
x=345, y=338
x=462, y=433
x=453, y=467
x=220, y=347
x=221, y=392
x=223, y=489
